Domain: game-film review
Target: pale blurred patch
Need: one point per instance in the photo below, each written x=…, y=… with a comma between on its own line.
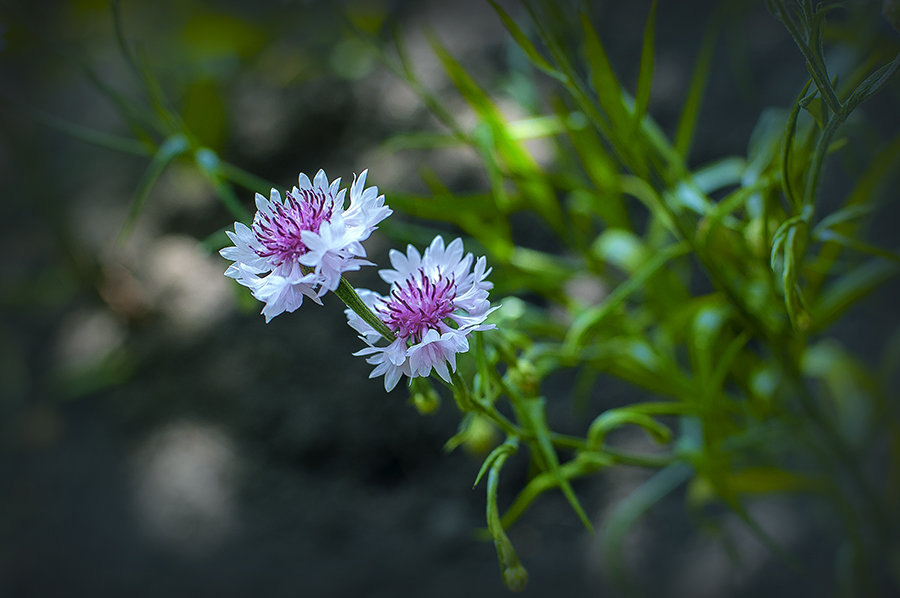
x=584, y=290
x=86, y=338
x=185, y=284
x=185, y=482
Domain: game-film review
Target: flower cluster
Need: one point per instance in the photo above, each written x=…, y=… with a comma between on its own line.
x=435, y=301
x=300, y=246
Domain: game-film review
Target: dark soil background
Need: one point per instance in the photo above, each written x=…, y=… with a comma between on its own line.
x=157, y=438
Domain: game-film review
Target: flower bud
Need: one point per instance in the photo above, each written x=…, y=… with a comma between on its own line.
x=481, y=436
x=515, y=578
x=426, y=401
x=525, y=377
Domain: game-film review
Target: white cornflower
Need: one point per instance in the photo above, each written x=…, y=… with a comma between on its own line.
x=436, y=300
x=301, y=245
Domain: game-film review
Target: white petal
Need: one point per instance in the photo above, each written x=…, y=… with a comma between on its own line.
x=391, y=377
x=321, y=181
x=359, y=184
x=396, y=352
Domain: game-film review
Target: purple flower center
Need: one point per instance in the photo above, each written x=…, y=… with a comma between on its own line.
x=279, y=234
x=418, y=305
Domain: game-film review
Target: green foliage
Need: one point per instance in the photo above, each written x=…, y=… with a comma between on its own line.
x=731, y=367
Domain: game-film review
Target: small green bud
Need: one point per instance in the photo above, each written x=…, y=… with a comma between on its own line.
x=525, y=377
x=422, y=395
x=514, y=574
x=426, y=402
x=481, y=436
x=515, y=577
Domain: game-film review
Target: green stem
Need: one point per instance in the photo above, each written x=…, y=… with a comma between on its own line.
x=567, y=441
x=351, y=299
x=648, y=461
x=812, y=185
x=461, y=389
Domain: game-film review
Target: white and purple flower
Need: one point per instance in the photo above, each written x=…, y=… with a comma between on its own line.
x=436, y=300
x=301, y=245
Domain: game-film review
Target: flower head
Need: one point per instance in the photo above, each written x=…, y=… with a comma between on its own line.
x=435, y=301
x=300, y=245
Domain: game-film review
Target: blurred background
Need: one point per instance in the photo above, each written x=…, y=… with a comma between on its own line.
x=158, y=438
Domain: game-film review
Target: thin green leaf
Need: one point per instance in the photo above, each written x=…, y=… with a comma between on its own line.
x=245, y=179
x=606, y=85
x=88, y=135
x=789, y=133
x=817, y=109
x=514, y=575
x=584, y=464
x=611, y=419
x=492, y=138
x=719, y=174
x=437, y=108
x=856, y=244
x=209, y=164
x=871, y=84
x=634, y=360
x=645, y=74
x=525, y=44
x=692, y=104
x=139, y=119
x=725, y=359
x=780, y=235
x=462, y=433
x=721, y=211
x=173, y=147
x=507, y=448
x=139, y=63
x=706, y=327
x=792, y=297
x=865, y=191
x=647, y=195
x=846, y=214
x=534, y=409
x=593, y=316
x=540, y=126
x=850, y=288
